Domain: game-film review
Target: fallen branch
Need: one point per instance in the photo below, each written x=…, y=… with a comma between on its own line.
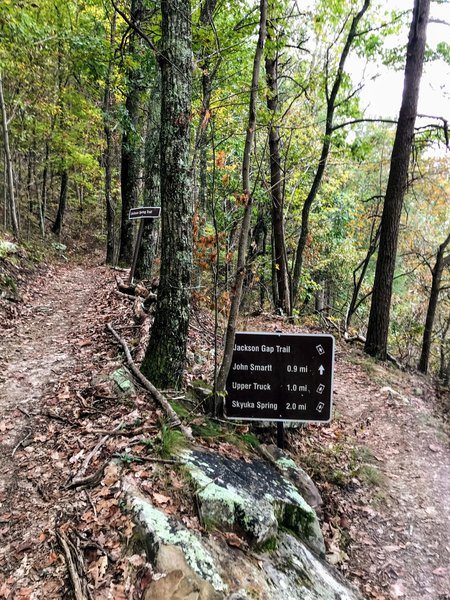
x=51, y=414
x=151, y=459
x=78, y=477
x=82, y=470
x=90, y=480
x=74, y=562
x=122, y=295
x=174, y=418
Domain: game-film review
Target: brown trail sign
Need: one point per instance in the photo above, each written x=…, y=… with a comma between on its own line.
x=281, y=377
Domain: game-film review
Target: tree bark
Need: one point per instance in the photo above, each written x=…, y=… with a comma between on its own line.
x=130, y=153
x=236, y=291
x=9, y=167
x=152, y=187
x=439, y=265
x=57, y=225
x=166, y=354
x=326, y=146
x=378, y=327
x=108, y=153
x=282, y=299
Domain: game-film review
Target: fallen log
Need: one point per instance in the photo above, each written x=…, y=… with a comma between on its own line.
x=174, y=418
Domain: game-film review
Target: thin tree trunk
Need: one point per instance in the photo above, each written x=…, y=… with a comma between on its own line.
x=43, y=204
x=378, y=327
x=9, y=167
x=439, y=265
x=236, y=291
x=130, y=163
x=164, y=360
x=152, y=186
x=57, y=225
x=282, y=301
x=108, y=153
x=326, y=146
x=357, y=283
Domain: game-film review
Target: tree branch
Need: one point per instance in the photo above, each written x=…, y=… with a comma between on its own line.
x=150, y=387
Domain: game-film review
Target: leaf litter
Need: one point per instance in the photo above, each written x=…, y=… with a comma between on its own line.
x=381, y=465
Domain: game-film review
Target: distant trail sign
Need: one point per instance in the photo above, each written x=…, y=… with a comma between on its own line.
x=281, y=377
x=144, y=212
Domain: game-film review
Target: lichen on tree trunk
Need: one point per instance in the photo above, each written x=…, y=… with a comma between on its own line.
x=165, y=357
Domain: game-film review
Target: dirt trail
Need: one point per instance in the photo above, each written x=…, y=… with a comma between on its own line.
x=403, y=538
x=399, y=531
x=33, y=359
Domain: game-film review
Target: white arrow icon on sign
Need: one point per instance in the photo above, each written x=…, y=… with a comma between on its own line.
x=321, y=369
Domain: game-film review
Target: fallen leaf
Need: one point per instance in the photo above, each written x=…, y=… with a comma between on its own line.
x=234, y=540
x=160, y=498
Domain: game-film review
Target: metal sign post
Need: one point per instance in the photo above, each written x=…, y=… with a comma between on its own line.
x=143, y=212
x=281, y=377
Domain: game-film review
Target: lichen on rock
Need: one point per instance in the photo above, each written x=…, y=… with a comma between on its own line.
x=251, y=498
x=158, y=529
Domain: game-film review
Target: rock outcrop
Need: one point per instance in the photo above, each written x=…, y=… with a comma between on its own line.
x=254, y=500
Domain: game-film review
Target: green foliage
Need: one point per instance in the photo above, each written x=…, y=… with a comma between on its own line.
x=170, y=441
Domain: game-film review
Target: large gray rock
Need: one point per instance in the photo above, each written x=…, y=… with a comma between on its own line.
x=251, y=498
x=294, y=473
x=206, y=568
x=180, y=582
x=158, y=530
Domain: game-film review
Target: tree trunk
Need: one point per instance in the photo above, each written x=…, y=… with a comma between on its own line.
x=166, y=354
x=282, y=300
x=152, y=186
x=236, y=291
x=57, y=225
x=378, y=327
x=9, y=167
x=43, y=203
x=108, y=153
x=358, y=280
x=130, y=163
x=439, y=265
x=326, y=146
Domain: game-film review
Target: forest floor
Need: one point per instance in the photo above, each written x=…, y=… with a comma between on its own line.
x=382, y=465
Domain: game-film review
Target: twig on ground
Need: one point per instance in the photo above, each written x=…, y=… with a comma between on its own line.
x=150, y=387
x=151, y=459
x=90, y=480
x=54, y=415
x=23, y=411
x=124, y=295
x=82, y=470
x=89, y=499
x=122, y=432
x=20, y=443
x=74, y=561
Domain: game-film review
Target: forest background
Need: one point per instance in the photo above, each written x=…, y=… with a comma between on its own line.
x=80, y=95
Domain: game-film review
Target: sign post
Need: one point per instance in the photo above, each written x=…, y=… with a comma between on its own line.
x=143, y=212
x=281, y=377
